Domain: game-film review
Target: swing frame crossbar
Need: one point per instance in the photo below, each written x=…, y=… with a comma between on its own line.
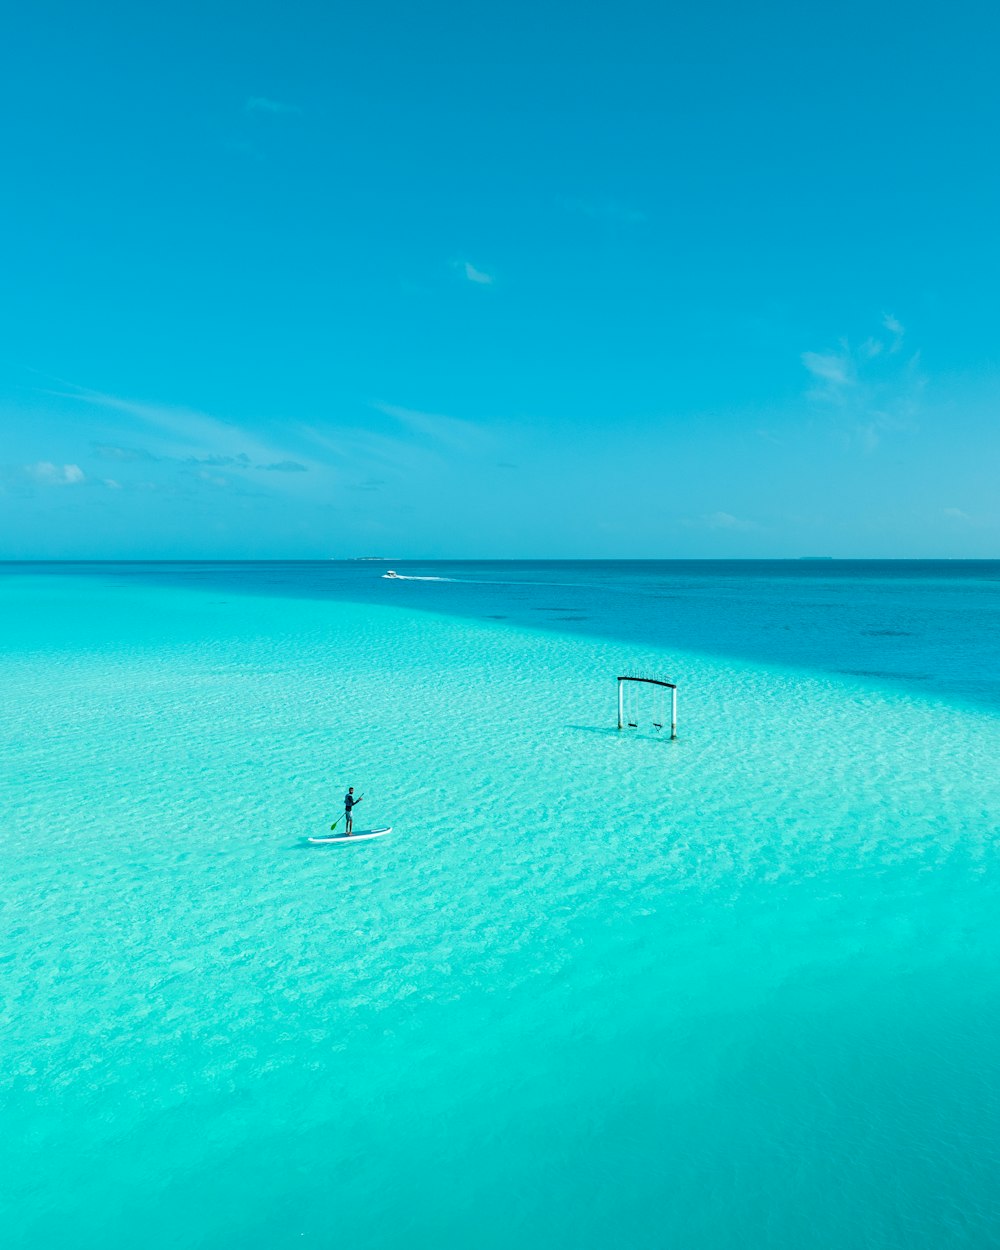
x=648, y=681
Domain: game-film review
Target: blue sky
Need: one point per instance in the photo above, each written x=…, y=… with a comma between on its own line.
x=524, y=280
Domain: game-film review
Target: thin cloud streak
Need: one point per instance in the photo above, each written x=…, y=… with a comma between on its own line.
x=184, y=443
x=479, y=276
x=452, y=431
x=50, y=474
x=719, y=521
x=828, y=367
x=199, y=438
x=275, y=108
x=873, y=393
x=126, y=455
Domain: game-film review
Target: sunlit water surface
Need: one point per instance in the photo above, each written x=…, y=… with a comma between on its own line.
x=596, y=990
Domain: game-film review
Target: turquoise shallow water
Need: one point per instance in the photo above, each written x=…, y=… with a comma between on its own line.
x=595, y=990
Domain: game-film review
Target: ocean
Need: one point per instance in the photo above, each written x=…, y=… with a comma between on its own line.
x=597, y=988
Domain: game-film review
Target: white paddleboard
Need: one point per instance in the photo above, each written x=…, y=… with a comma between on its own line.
x=360, y=836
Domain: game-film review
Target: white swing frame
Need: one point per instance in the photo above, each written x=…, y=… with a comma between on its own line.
x=648, y=681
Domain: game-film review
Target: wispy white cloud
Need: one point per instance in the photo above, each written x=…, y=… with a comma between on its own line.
x=451, y=431
x=412, y=446
x=182, y=434
x=868, y=435
x=352, y=446
x=240, y=461
x=726, y=521
x=476, y=275
x=719, y=521
x=842, y=368
x=127, y=455
x=184, y=450
x=829, y=367
x=956, y=514
x=871, y=348
x=261, y=104
x=873, y=392
x=50, y=474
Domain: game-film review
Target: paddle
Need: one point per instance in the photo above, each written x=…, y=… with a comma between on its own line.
x=340, y=818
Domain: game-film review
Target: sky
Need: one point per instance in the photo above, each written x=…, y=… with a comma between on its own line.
x=525, y=280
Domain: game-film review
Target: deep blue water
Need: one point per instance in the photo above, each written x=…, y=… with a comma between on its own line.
x=932, y=626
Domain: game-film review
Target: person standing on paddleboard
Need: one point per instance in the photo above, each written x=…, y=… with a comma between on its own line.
x=349, y=803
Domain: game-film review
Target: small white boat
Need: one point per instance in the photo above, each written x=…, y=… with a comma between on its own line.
x=390, y=573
